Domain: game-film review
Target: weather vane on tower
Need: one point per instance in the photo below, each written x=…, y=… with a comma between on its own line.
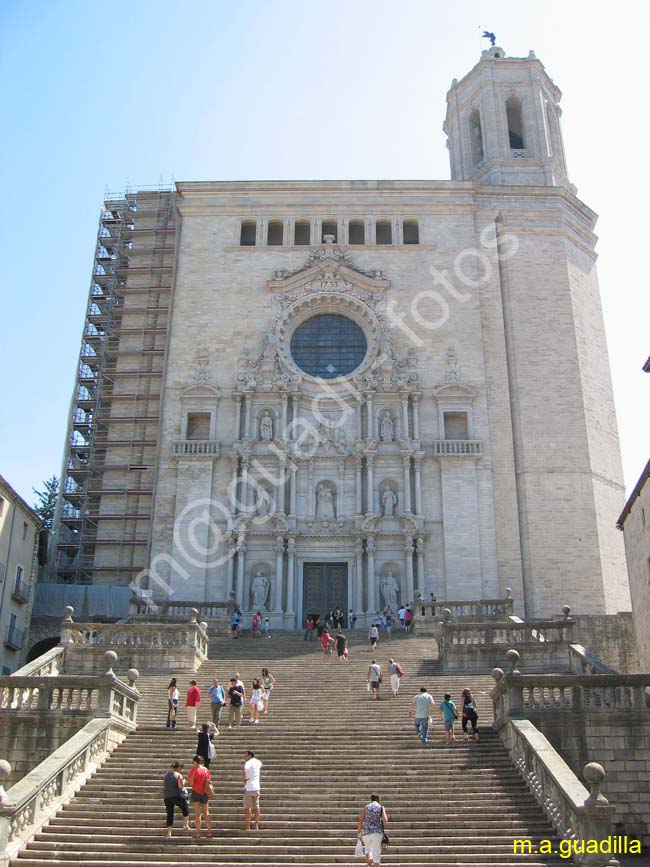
x=488, y=35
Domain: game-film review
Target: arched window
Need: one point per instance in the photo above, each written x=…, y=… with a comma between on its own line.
x=515, y=123
x=475, y=137
x=411, y=232
x=330, y=227
x=275, y=234
x=248, y=234
x=384, y=232
x=302, y=233
x=356, y=232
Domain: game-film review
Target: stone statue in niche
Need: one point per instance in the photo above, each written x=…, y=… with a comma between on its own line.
x=264, y=501
x=453, y=373
x=388, y=503
x=259, y=591
x=269, y=345
x=325, y=502
x=266, y=427
x=390, y=589
x=387, y=427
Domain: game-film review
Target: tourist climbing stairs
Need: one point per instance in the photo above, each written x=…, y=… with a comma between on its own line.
x=325, y=746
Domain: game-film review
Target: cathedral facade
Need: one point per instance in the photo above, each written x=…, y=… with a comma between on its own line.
x=356, y=393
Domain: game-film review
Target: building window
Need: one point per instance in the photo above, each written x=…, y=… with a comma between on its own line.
x=643, y=518
x=198, y=426
x=330, y=227
x=356, y=232
x=302, y=233
x=411, y=232
x=248, y=234
x=6, y=670
x=25, y=529
x=19, y=574
x=275, y=234
x=475, y=137
x=328, y=345
x=384, y=232
x=456, y=427
x=515, y=124
x=2, y=506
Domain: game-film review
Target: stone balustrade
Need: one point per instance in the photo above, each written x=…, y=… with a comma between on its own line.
x=583, y=662
x=48, y=664
x=100, y=696
x=518, y=695
x=457, y=448
x=172, y=610
x=145, y=646
x=28, y=805
x=481, y=646
x=581, y=817
x=195, y=449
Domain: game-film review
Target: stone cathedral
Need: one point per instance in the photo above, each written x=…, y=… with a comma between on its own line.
x=305, y=394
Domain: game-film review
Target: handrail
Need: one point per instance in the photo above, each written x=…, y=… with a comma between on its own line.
x=48, y=664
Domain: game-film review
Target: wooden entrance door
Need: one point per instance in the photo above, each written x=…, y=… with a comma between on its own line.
x=324, y=587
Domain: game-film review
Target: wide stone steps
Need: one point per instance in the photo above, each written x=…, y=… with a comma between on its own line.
x=325, y=745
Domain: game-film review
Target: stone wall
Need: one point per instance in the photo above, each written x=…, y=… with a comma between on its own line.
x=28, y=739
x=611, y=637
x=635, y=522
x=621, y=743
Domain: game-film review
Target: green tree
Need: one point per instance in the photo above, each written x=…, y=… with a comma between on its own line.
x=46, y=505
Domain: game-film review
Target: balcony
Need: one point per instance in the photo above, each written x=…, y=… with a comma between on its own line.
x=15, y=638
x=457, y=448
x=21, y=591
x=195, y=449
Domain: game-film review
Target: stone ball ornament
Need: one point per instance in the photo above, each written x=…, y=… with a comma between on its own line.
x=513, y=657
x=497, y=674
x=446, y=614
x=68, y=611
x=132, y=674
x=111, y=658
x=594, y=774
x=194, y=613
x=5, y=771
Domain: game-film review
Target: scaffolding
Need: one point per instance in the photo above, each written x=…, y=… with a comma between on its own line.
x=106, y=500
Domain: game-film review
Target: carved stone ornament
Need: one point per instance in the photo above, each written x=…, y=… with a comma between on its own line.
x=200, y=372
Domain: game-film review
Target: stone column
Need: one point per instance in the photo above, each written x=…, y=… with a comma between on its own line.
x=358, y=464
x=237, y=424
x=361, y=401
x=291, y=563
x=369, y=415
x=285, y=406
x=282, y=470
x=244, y=492
x=418, y=484
x=358, y=572
x=279, y=573
x=405, y=415
x=416, y=416
x=406, y=461
x=341, y=508
x=241, y=558
x=408, y=552
x=370, y=505
x=420, y=558
x=311, y=509
x=247, y=415
x=230, y=567
x=233, y=485
x=370, y=587
x=292, y=488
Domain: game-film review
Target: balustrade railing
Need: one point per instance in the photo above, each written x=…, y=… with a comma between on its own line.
x=583, y=662
x=167, y=610
x=196, y=448
x=457, y=448
x=137, y=635
x=46, y=665
x=508, y=633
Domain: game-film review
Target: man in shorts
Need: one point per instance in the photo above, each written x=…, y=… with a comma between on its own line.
x=251, y=779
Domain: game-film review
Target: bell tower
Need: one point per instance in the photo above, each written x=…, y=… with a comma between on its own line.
x=503, y=124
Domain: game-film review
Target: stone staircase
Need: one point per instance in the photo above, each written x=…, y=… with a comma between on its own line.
x=324, y=746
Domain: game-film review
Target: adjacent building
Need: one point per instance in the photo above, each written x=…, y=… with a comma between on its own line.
x=19, y=530
x=305, y=394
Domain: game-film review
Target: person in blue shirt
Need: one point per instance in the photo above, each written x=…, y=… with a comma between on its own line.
x=217, y=701
x=448, y=715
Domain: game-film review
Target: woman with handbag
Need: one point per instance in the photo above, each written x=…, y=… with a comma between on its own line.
x=199, y=778
x=175, y=795
x=371, y=830
x=172, y=703
x=204, y=746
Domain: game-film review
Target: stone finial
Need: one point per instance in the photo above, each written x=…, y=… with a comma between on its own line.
x=194, y=613
x=204, y=625
x=5, y=771
x=497, y=674
x=566, y=610
x=132, y=674
x=594, y=774
x=446, y=614
x=513, y=657
x=508, y=592
x=111, y=658
x=68, y=611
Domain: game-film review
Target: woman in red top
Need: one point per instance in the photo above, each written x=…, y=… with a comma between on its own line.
x=198, y=778
x=325, y=642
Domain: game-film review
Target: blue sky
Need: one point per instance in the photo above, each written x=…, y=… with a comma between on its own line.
x=98, y=95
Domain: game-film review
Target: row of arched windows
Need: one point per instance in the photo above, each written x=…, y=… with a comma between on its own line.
x=514, y=120
x=305, y=232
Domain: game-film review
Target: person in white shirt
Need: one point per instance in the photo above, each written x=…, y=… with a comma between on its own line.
x=421, y=708
x=251, y=778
